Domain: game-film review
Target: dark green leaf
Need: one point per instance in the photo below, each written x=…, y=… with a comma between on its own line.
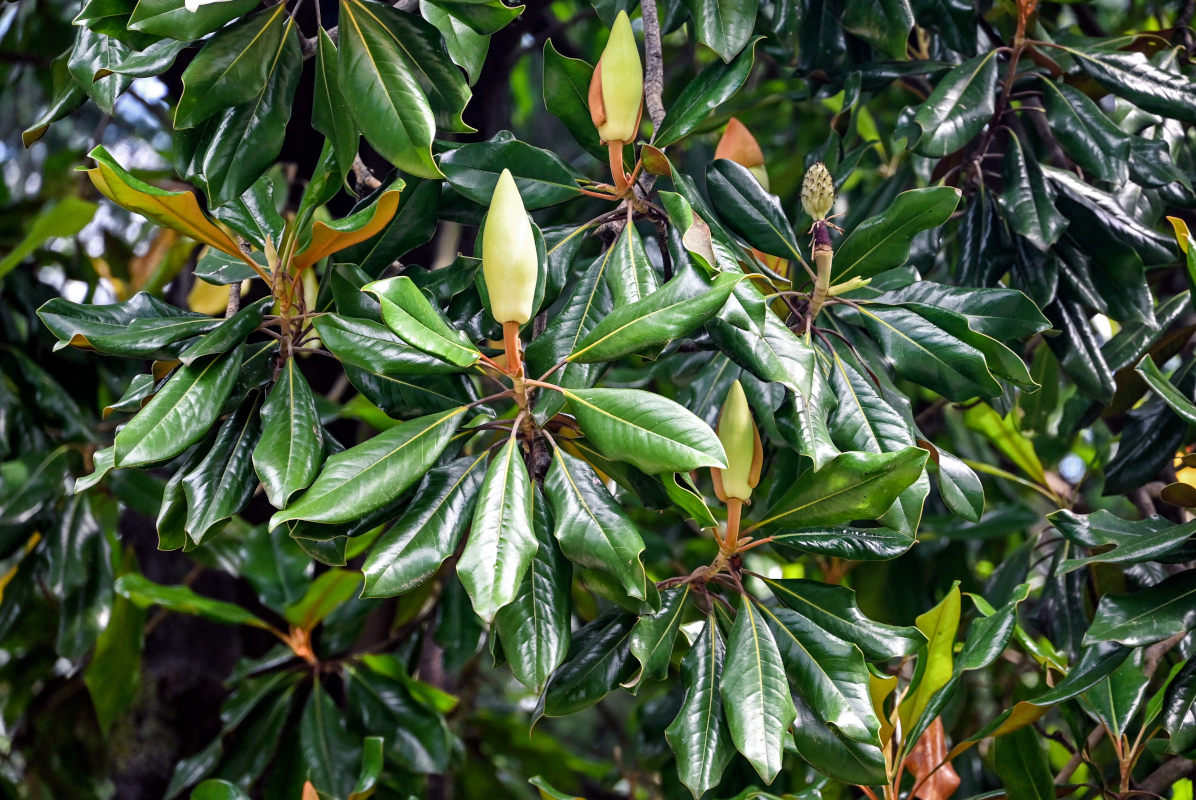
x=852, y=486
x=959, y=106
x=182, y=600
x=723, y=25
x=566, y=92
x=599, y=660
x=1147, y=616
x=645, y=429
x=222, y=483
x=429, y=530
x=698, y=735
x=749, y=210
x=1091, y=139
x=713, y=86
x=370, y=475
x=755, y=692
x=1027, y=199
x=534, y=627
x=882, y=242
x=542, y=177
x=180, y=413
x=501, y=542
x=834, y=609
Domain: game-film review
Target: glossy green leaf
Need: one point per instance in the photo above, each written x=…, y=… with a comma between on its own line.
x=429, y=530
x=384, y=698
x=829, y=674
x=1028, y=201
x=671, y=312
x=1119, y=541
x=370, y=346
x=180, y=413
x=466, y=47
x=142, y=326
x=1179, y=708
x=834, y=609
x=380, y=79
x=409, y=314
x=852, y=486
x=833, y=754
x=330, y=110
x=723, y=25
x=884, y=25
x=373, y=473
x=653, y=636
x=711, y=87
x=230, y=333
x=1171, y=395
x=114, y=672
x=599, y=660
x=1092, y=139
x=291, y=449
x=231, y=68
x=698, y=735
x=1146, y=616
x=1020, y=759
x=630, y=274
x=999, y=313
x=182, y=600
x=755, y=692
x=542, y=177
x=172, y=18
x=534, y=627
x=331, y=753
x=882, y=242
x=1132, y=76
x=566, y=92
x=222, y=483
x=937, y=350
x=501, y=542
x=749, y=210
x=960, y=487
x=591, y=526
x=958, y=108
x=1115, y=701
x=645, y=429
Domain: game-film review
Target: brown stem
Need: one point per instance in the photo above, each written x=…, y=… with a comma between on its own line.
x=510, y=333
x=734, y=512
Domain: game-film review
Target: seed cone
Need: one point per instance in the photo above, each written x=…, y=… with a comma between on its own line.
x=509, y=262
x=818, y=191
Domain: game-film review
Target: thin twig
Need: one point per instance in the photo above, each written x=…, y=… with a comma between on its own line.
x=654, y=64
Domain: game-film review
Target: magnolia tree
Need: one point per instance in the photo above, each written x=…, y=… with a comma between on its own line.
x=822, y=432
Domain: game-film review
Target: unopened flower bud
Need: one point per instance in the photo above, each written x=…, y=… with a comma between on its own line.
x=818, y=191
x=616, y=94
x=509, y=262
x=738, y=145
x=741, y=441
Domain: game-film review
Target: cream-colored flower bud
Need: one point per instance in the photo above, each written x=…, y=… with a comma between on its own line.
x=509, y=262
x=741, y=441
x=818, y=191
x=617, y=86
x=737, y=144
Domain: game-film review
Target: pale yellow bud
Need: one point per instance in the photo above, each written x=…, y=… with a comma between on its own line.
x=818, y=191
x=509, y=263
x=617, y=87
x=741, y=441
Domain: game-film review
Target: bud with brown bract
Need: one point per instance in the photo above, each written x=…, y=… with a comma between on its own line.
x=616, y=96
x=745, y=453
